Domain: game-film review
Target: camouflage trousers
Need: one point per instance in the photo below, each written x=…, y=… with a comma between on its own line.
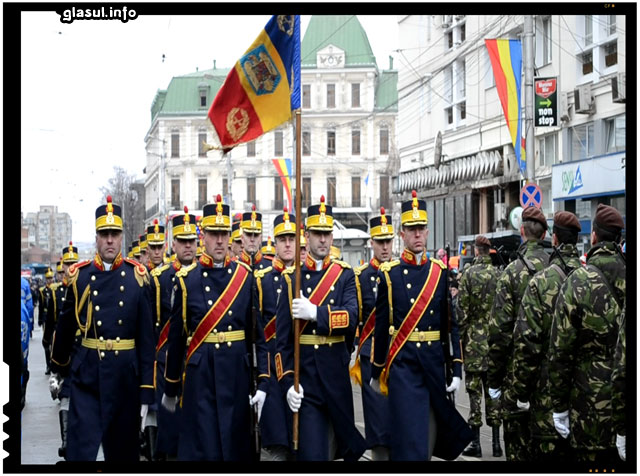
x=517, y=437
x=477, y=385
x=597, y=456
x=547, y=451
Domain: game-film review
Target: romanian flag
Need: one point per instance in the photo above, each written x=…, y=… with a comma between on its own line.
x=506, y=61
x=263, y=87
x=283, y=166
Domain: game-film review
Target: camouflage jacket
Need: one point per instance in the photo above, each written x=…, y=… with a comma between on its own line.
x=531, y=340
x=618, y=379
x=509, y=291
x=582, y=343
x=476, y=291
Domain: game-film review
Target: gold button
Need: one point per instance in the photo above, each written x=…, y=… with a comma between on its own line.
x=121, y=289
x=99, y=323
x=309, y=290
x=102, y=354
x=429, y=328
x=330, y=344
x=117, y=339
x=275, y=278
x=116, y=352
x=408, y=285
x=229, y=328
x=373, y=278
x=101, y=338
x=217, y=346
x=97, y=308
x=418, y=345
x=121, y=304
x=391, y=330
x=313, y=331
x=332, y=288
x=173, y=279
x=330, y=301
x=431, y=311
x=93, y=278
x=210, y=302
x=229, y=271
x=188, y=340
x=412, y=300
x=215, y=331
x=122, y=274
x=228, y=344
x=429, y=343
x=230, y=312
x=120, y=321
x=62, y=299
x=207, y=288
x=157, y=324
x=278, y=290
x=205, y=274
x=308, y=276
x=95, y=292
x=406, y=271
x=316, y=346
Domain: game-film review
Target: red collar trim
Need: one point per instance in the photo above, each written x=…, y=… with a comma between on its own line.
x=97, y=260
x=311, y=263
x=410, y=258
x=375, y=263
x=278, y=265
x=207, y=261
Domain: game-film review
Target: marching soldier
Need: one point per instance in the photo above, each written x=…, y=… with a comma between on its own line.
x=54, y=294
x=583, y=335
x=47, y=300
x=155, y=245
x=163, y=281
x=410, y=338
x=619, y=388
x=476, y=291
x=272, y=406
x=328, y=306
x=303, y=245
x=531, y=339
x=112, y=372
x=251, y=226
x=374, y=406
x=509, y=291
x=135, y=250
x=211, y=321
x=267, y=250
x=236, y=240
x=144, y=255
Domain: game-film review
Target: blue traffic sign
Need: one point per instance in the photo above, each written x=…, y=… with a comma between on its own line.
x=531, y=196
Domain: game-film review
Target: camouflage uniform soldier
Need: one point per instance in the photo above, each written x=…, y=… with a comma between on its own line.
x=531, y=339
x=475, y=296
x=509, y=291
x=583, y=335
x=619, y=388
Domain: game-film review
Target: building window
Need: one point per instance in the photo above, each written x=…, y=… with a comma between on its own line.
x=331, y=95
x=175, y=193
x=202, y=193
x=306, y=192
x=543, y=41
x=175, y=144
x=582, y=144
x=489, y=78
x=384, y=192
x=462, y=110
x=306, y=96
x=331, y=142
x=278, y=200
x=355, y=142
x=279, y=146
x=616, y=133
x=251, y=190
x=384, y=141
x=331, y=191
x=587, y=62
x=611, y=54
x=448, y=38
x=306, y=142
x=588, y=30
x=202, y=139
x=463, y=32
x=251, y=149
x=547, y=150
x=449, y=114
x=611, y=24
x=355, y=95
x=203, y=99
x=355, y=192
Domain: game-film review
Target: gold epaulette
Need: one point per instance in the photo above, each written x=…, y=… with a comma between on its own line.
x=73, y=270
x=242, y=263
x=183, y=271
x=361, y=268
x=260, y=273
x=289, y=270
x=55, y=286
x=439, y=263
x=141, y=273
x=344, y=264
x=386, y=266
x=159, y=270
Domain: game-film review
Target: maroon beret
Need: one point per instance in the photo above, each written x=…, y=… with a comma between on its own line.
x=482, y=240
x=534, y=214
x=566, y=220
x=608, y=218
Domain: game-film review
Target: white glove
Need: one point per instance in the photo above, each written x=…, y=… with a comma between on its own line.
x=523, y=405
x=144, y=410
x=294, y=399
x=302, y=308
x=455, y=385
x=621, y=444
x=561, y=422
x=169, y=402
x=258, y=398
x=374, y=383
x=55, y=383
x=494, y=393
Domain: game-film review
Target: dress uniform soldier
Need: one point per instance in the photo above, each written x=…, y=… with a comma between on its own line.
x=303, y=245
x=268, y=250
x=509, y=291
x=412, y=317
x=112, y=371
x=476, y=291
x=55, y=294
x=135, y=250
x=211, y=321
x=531, y=339
x=272, y=406
x=144, y=248
x=155, y=244
x=583, y=336
x=236, y=239
x=163, y=281
x=375, y=406
x=328, y=304
x=251, y=226
x=48, y=309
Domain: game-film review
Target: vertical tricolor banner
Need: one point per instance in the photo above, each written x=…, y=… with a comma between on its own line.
x=506, y=61
x=263, y=87
x=283, y=166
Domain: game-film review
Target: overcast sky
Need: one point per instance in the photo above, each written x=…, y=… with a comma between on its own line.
x=87, y=89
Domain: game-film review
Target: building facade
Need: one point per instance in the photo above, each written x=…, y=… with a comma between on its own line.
x=348, y=145
x=47, y=229
x=455, y=147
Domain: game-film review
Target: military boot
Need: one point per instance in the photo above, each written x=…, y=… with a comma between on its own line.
x=62, y=451
x=497, y=451
x=474, y=448
x=150, y=437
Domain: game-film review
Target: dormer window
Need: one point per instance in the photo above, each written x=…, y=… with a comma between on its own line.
x=203, y=90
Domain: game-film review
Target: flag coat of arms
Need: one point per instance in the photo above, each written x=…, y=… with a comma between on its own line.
x=263, y=87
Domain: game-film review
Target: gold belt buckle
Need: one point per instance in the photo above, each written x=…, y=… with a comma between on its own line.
x=109, y=344
x=221, y=337
x=322, y=339
x=422, y=336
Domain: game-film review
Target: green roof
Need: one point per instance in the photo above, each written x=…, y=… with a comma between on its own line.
x=387, y=91
x=343, y=31
x=182, y=97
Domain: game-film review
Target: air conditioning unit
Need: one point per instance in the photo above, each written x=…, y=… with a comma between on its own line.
x=618, y=87
x=500, y=212
x=583, y=100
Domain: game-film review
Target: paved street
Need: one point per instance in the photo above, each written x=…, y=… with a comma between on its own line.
x=41, y=431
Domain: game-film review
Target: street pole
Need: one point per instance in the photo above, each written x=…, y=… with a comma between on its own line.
x=528, y=98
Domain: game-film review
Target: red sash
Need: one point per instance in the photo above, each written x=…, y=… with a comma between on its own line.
x=270, y=329
x=367, y=329
x=218, y=310
x=414, y=315
x=323, y=288
x=164, y=334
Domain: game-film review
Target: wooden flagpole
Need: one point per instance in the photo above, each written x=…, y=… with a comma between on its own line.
x=296, y=322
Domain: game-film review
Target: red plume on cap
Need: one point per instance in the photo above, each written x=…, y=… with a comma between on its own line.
x=70, y=243
x=322, y=198
x=413, y=194
x=286, y=210
x=186, y=210
x=253, y=208
x=219, y=198
x=155, y=222
x=381, y=210
x=109, y=199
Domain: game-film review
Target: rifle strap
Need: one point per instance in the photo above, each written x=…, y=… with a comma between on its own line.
x=559, y=270
x=612, y=290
